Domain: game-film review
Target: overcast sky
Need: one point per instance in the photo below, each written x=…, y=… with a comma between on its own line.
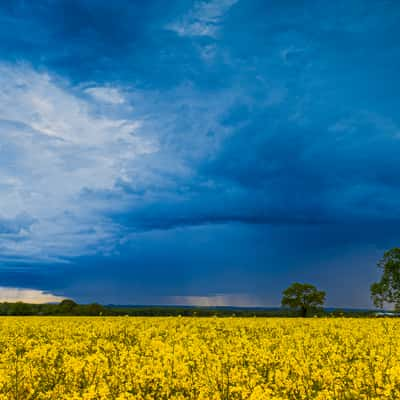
x=197, y=152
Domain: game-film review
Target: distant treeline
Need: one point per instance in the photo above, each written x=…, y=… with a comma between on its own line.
x=66, y=307
x=69, y=307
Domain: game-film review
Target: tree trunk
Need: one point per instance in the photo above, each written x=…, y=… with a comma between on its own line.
x=303, y=311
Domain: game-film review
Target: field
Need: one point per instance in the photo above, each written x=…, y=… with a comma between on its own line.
x=195, y=358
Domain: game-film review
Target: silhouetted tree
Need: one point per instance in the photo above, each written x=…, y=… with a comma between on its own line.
x=303, y=296
x=67, y=306
x=94, y=309
x=387, y=290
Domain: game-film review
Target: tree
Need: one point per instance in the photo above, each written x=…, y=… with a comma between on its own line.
x=303, y=296
x=94, y=309
x=387, y=290
x=67, y=306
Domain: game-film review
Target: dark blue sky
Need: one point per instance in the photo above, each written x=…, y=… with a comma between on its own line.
x=197, y=152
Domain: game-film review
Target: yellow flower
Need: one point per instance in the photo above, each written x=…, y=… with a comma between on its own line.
x=195, y=358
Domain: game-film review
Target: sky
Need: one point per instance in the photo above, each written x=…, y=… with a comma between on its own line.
x=197, y=152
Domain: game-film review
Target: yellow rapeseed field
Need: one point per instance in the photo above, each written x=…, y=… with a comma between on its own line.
x=195, y=358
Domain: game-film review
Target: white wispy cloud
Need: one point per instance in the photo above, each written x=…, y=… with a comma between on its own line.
x=34, y=296
x=106, y=94
x=54, y=150
x=203, y=19
x=68, y=163
x=380, y=124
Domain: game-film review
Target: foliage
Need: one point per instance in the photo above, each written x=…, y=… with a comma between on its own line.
x=66, y=307
x=387, y=290
x=303, y=296
x=71, y=309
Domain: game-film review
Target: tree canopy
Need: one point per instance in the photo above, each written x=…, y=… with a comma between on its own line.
x=303, y=296
x=387, y=290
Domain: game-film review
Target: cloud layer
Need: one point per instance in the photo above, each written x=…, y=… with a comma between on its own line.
x=203, y=19
x=34, y=296
x=56, y=149
x=190, y=146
